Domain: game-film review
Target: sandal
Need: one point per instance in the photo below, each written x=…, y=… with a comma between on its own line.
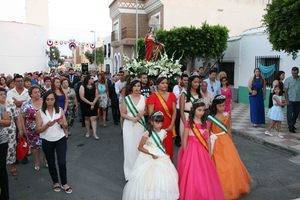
x=13, y=171
x=67, y=189
x=56, y=188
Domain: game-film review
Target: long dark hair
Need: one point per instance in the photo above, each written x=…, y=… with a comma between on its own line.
x=193, y=111
x=130, y=86
x=60, y=88
x=188, y=92
x=260, y=76
x=44, y=106
x=86, y=81
x=217, y=100
x=278, y=74
x=154, y=117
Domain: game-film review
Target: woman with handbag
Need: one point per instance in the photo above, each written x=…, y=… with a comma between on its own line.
x=52, y=126
x=4, y=122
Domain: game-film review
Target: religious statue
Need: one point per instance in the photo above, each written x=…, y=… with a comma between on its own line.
x=153, y=48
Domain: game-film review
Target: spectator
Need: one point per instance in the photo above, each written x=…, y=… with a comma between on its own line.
x=213, y=85
x=4, y=122
x=121, y=83
x=114, y=100
x=226, y=91
x=279, y=77
x=19, y=94
x=207, y=96
x=73, y=78
x=29, y=110
x=257, y=88
x=62, y=100
x=3, y=83
x=27, y=83
x=292, y=94
x=103, y=98
x=51, y=123
x=145, y=87
x=89, y=97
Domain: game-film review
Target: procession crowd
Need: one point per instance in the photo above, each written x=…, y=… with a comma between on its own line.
x=40, y=108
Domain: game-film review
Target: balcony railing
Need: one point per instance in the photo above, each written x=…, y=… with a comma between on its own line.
x=114, y=36
x=127, y=32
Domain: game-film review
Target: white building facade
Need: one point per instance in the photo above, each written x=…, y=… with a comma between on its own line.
x=23, y=47
x=250, y=50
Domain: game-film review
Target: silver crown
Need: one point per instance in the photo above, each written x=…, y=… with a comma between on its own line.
x=201, y=100
x=135, y=79
x=162, y=75
x=220, y=97
x=195, y=74
x=158, y=113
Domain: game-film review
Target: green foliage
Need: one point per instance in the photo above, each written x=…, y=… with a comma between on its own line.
x=141, y=48
x=207, y=42
x=282, y=20
x=99, y=55
x=54, y=56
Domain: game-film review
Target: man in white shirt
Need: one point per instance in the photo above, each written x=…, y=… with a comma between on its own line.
x=177, y=90
x=19, y=94
x=121, y=83
x=213, y=85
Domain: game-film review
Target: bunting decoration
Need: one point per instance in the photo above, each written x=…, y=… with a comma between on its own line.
x=71, y=43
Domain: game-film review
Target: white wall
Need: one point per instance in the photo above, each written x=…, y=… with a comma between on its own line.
x=22, y=47
x=253, y=43
x=108, y=60
x=237, y=15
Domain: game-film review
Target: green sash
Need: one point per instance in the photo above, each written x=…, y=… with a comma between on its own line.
x=218, y=123
x=192, y=98
x=134, y=110
x=157, y=141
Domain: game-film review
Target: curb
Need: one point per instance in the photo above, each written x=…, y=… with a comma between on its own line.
x=258, y=140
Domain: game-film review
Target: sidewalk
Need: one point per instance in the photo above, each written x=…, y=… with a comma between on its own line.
x=241, y=126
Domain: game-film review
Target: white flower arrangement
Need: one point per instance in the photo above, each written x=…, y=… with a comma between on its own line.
x=164, y=67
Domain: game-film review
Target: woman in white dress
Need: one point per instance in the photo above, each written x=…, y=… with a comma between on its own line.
x=154, y=176
x=132, y=111
x=187, y=98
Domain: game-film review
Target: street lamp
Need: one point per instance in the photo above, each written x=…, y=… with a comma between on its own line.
x=136, y=28
x=95, y=63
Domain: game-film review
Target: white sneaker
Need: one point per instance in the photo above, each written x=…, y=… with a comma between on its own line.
x=87, y=135
x=280, y=136
x=268, y=133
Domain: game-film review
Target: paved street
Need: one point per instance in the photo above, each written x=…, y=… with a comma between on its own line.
x=95, y=171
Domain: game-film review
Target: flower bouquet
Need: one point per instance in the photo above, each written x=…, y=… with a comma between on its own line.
x=166, y=67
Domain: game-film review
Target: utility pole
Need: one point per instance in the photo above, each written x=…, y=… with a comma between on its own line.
x=95, y=50
x=136, y=28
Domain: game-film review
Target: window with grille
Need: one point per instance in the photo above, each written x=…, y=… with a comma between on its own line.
x=268, y=61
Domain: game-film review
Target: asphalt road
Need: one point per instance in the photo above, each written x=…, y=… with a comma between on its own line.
x=95, y=170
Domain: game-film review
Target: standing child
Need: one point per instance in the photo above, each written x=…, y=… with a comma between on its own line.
x=234, y=177
x=275, y=113
x=153, y=177
x=198, y=178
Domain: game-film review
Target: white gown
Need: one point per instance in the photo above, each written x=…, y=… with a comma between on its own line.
x=132, y=134
x=152, y=179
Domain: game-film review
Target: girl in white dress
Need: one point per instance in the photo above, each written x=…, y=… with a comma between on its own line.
x=132, y=111
x=154, y=176
x=275, y=113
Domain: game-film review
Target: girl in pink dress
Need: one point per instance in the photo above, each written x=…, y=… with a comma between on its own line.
x=198, y=178
x=226, y=91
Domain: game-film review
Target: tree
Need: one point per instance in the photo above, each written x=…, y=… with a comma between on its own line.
x=282, y=20
x=54, y=56
x=99, y=55
x=207, y=42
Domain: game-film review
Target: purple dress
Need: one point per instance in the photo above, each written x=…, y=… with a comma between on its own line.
x=29, y=113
